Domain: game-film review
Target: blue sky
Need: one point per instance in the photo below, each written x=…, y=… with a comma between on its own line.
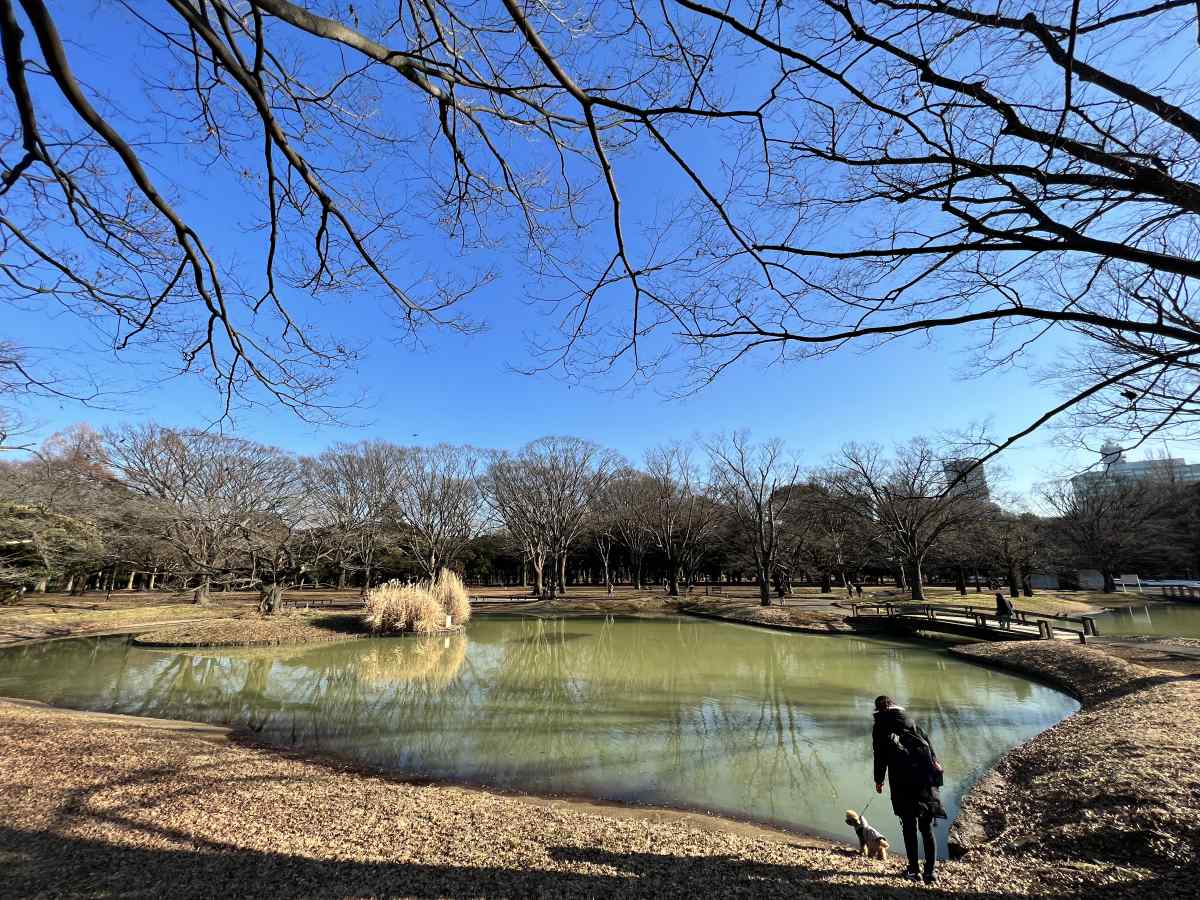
x=463, y=389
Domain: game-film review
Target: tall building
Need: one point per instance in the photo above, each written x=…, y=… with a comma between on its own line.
x=1113, y=464
x=974, y=480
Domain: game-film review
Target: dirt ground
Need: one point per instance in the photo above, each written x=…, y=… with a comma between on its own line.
x=1115, y=786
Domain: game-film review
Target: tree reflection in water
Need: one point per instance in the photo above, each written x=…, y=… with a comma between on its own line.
x=675, y=712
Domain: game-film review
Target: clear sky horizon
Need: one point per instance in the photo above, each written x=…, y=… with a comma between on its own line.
x=465, y=388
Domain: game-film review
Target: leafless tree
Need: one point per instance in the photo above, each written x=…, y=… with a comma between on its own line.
x=679, y=514
x=912, y=500
x=349, y=486
x=840, y=539
x=378, y=140
x=435, y=504
x=625, y=502
x=213, y=492
x=884, y=168
x=904, y=167
x=797, y=534
x=543, y=494
x=1021, y=543
x=749, y=479
x=1109, y=522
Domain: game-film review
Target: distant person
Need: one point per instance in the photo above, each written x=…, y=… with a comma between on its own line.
x=1004, y=608
x=904, y=755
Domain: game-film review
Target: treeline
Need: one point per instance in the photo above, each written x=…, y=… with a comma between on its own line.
x=155, y=508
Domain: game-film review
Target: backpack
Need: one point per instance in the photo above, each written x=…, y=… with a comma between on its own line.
x=916, y=755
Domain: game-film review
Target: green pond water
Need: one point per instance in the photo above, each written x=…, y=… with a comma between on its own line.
x=685, y=713
x=1160, y=619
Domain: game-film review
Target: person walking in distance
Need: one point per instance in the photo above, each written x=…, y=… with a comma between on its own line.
x=905, y=757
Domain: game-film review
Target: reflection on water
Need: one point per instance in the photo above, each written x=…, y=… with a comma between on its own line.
x=1163, y=619
x=673, y=712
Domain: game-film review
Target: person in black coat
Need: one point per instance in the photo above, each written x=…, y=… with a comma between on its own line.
x=915, y=799
x=1004, y=608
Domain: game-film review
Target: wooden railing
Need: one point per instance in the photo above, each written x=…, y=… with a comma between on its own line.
x=1180, y=592
x=1045, y=623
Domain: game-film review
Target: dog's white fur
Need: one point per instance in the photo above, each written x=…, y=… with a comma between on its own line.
x=871, y=843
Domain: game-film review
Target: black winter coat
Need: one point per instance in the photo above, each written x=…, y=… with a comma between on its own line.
x=908, y=798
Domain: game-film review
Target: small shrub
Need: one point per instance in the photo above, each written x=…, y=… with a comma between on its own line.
x=452, y=594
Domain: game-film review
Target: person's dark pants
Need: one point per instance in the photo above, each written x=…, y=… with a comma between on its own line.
x=910, y=825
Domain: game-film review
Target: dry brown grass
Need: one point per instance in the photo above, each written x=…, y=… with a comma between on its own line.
x=395, y=608
x=423, y=608
x=450, y=591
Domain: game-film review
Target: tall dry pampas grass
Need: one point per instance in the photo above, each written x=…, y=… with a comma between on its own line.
x=452, y=594
x=395, y=608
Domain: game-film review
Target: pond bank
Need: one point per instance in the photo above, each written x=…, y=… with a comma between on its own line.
x=1112, y=791
x=168, y=809
x=806, y=618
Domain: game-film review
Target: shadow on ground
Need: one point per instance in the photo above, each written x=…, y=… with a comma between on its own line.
x=341, y=623
x=45, y=864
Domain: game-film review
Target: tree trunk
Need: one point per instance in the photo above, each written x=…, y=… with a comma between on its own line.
x=962, y=582
x=538, y=565
x=901, y=580
x=826, y=583
x=200, y=594
x=39, y=586
x=153, y=578
x=764, y=589
x=1027, y=586
x=129, y=586
x=1014, y=584
x=978, y=586
x=270, y=599
x=562, y=574
x=917, y=582
x=70, y=587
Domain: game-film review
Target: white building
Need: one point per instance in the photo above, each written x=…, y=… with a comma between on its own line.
x=1115, y=465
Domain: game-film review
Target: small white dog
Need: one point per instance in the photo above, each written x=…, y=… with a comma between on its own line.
x=871, y=843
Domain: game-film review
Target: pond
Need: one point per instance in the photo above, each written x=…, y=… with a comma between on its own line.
x=1161, y=619
x=684, y=713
